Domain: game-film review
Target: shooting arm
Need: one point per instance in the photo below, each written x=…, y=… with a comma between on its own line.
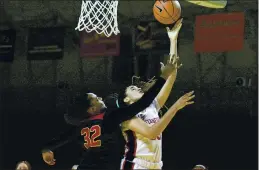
x=166, y=90
x=173, y=47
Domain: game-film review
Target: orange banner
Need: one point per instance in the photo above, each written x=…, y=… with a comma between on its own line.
x=219, y=32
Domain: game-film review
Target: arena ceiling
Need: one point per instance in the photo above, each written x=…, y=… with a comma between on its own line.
x=27, y=12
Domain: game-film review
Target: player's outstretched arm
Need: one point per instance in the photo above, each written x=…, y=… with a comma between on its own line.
x=64, y=138
x=173, y=57
x=125, y=113
x=139, y=126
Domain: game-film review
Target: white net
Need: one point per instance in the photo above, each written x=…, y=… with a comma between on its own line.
x=99, y=16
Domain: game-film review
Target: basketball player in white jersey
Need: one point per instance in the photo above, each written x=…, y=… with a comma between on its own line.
x=143, y=133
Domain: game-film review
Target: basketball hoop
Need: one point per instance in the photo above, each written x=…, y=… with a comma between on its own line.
x=99, y=16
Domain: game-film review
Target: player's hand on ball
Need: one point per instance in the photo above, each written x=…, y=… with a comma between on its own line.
x=173, y=33
x=48, y=157
x=184, y=100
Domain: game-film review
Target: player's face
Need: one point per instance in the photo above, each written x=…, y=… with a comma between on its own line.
x=134, y=93
x=96, y=103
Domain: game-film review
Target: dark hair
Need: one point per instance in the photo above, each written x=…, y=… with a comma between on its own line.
x=110, y=101
x=25, y=162
x=120, y=101
x=77, y=109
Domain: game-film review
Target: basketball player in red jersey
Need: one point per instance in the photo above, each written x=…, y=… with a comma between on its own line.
x=94, y=123
x=143, y=133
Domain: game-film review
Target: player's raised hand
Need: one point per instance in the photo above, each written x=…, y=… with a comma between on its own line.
x=170, y=67
x=48, y=157
x=174, y=60
x=184, y=100
x=173, y=33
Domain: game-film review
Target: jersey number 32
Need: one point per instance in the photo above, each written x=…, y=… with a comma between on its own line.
x=90, y=135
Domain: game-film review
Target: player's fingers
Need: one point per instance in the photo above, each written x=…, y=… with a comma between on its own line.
x=173, y=59
x=190, y=93
x=167, y=29
x=169, y=62
x=49, y=159
x=187, y=95
x=52, y=163
x=162, y=65
x=178, y=22
x=191, y=97
x=188, y=103
x=179, y=26
x=176, y=59
x=180, y=66
x=48, y=162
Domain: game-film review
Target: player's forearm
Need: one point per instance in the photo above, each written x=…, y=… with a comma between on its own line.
x=173, y=47
x=51, y=146
x=166, y=90
x=160, y=126
x=61, y=140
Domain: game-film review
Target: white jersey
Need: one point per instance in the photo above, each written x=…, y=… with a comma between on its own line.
x=138, y=146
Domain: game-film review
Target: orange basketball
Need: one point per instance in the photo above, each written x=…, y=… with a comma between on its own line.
x=167, y=11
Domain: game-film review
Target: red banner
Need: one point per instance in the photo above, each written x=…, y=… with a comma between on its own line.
x=93, y=44
x=219, y=32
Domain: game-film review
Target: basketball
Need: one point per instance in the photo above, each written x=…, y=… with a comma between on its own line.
x=167, y=11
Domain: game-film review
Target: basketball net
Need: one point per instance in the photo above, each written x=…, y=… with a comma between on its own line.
x=99, y=16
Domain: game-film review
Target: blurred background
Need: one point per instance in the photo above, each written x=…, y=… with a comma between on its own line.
x=220, y=131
